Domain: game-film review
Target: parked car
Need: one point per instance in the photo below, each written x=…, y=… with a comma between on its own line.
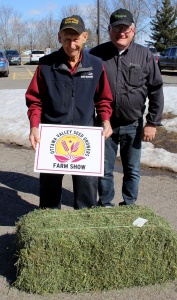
x=26, y=52
x=168, y=59
x=153, y=49
x=35, y=55
x=13, y=57
x=154, y=52
x=4, y=64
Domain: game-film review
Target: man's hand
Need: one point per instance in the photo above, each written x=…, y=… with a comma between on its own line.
x=34, y=137
x=107, y=129
x=149, y=133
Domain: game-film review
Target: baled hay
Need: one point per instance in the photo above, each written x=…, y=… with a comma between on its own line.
x=93, y=250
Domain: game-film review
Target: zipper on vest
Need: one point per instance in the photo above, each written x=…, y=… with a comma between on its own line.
x=72, y=104
x=73, y=92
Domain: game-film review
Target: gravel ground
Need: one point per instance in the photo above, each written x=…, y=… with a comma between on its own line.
x=19, y=194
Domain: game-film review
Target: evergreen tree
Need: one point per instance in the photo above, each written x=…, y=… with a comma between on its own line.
x=163, y=26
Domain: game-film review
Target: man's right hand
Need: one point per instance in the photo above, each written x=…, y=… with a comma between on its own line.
x=34, y=137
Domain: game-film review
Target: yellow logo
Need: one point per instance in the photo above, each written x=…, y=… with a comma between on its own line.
x=70, y=147
x=71, y=20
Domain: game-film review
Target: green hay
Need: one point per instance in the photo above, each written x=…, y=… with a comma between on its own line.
x=93, y=250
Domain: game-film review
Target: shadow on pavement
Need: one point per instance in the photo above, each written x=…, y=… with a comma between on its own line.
x=12, y=205
x=7, y=257
x=20, y=182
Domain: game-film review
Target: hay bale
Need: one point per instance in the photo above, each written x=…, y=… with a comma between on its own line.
x=93, y=249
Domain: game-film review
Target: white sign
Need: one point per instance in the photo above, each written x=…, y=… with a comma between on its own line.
x=139, y=222
x=65, y=149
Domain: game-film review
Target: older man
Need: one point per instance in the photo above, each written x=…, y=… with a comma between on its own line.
x=67, y=87
x=133, y=76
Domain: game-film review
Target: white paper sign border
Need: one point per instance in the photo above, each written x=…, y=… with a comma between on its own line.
x=97, y=165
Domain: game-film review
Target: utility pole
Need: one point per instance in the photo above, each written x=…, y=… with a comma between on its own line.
x=18, y=36
x=98, y=21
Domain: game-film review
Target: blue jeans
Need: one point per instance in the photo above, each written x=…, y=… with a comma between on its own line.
x=129, y=138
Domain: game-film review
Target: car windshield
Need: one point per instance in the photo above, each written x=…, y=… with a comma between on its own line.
x=153, y=50
x=12, y=52
x=37, y=52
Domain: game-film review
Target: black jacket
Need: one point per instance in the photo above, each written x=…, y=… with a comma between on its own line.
x=133, y=76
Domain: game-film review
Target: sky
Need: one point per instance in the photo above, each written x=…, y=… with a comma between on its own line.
x=15, y=126
x=40, y=8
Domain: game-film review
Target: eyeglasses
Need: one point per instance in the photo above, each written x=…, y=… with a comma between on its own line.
x=122, y=29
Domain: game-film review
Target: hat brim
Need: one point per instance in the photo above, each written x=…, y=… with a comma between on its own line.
x=70, y=27
x=121, y=22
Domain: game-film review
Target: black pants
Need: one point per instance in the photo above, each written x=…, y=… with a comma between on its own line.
x=84, y=187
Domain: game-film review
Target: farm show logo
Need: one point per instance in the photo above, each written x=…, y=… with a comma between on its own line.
x=70, y=147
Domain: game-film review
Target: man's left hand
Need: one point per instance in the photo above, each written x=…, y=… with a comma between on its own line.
x=149, y=133
x=107, y=129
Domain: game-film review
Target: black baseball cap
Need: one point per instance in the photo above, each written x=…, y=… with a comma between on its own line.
x=73, y=22
x=121, y=16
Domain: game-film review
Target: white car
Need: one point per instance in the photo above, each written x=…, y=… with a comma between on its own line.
x=35, y=55
x=26, y=52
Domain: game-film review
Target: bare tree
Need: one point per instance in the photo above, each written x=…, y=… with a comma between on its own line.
x=32, y=35
x=48, y=28
x=11, y=25
x=142, y=11
x=70, y=10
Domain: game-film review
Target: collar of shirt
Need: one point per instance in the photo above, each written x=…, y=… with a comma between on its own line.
x=120, y=52
x=73, y=69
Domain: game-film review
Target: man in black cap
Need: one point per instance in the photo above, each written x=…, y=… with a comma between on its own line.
x=133, y=76
x=67, y=87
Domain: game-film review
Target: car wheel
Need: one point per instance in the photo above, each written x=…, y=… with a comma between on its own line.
x=6, y=74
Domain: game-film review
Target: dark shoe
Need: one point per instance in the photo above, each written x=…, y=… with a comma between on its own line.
x=127, y=204
x=122, y=203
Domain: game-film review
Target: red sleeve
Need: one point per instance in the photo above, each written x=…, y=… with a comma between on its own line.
x=33, y=99
x=103, y=98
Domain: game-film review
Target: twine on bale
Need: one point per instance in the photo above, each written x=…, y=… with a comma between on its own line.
x=93, y=250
